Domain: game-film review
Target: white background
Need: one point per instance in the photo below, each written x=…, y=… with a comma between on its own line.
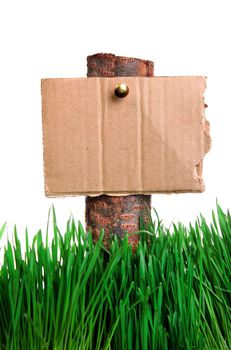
x=41, y=39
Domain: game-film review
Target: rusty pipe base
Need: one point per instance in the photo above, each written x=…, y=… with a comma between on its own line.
x=117, y=215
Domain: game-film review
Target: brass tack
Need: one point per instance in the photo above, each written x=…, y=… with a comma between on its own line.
x=121, y=90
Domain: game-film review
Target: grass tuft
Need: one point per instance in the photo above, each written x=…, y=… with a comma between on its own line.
x=174, y=292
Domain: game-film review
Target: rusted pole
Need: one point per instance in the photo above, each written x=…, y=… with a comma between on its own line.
x=117, y=214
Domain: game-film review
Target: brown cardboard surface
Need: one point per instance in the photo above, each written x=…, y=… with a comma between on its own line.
x=153, y=140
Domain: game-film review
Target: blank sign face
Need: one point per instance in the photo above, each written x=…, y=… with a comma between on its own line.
x=152, y=140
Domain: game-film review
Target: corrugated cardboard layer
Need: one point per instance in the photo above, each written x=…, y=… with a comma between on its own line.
x=153, y=140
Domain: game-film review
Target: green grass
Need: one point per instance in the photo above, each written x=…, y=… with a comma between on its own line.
x=174, y=292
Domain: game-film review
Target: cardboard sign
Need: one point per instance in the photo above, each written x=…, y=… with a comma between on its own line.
x=153, y=140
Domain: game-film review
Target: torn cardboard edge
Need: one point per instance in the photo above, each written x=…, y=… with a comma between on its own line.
x=79, y=107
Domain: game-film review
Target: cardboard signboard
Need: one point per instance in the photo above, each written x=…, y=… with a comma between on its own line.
x=153, y=140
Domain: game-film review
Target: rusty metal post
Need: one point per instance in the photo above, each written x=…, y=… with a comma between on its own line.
x=117, y=214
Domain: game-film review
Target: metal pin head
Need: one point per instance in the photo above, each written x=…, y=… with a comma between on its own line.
x=121, y=90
